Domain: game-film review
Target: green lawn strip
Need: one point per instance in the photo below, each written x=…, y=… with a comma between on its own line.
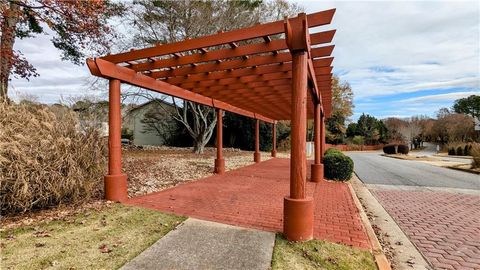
x=316, y=254
x=95, y=239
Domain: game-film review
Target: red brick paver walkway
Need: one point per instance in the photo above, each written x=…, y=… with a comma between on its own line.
x=252, y=197
x=444, y=226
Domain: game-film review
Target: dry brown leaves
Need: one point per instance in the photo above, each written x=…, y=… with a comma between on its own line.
x=63, y=212
x=157, y=168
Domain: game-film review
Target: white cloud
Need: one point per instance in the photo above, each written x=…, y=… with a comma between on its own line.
x=427, y=44
x=439, y=97
x=382, y=48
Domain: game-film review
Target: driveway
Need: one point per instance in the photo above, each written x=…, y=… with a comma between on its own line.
x=430, y=150
x=437, y=208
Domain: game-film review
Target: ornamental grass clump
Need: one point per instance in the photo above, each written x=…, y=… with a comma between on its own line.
x=45, y=160
x=337, y=166
x=475, y=152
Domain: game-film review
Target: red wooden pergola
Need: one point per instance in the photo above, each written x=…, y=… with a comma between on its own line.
x=251, y=72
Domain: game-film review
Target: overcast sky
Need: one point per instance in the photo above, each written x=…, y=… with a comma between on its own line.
x=401, y=58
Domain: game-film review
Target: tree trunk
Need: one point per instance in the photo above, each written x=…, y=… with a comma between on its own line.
x=200, y=128
x=199, y=146
x=9, y=26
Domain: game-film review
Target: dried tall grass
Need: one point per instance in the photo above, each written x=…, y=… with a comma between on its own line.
x=475, y=151
x=45, y=160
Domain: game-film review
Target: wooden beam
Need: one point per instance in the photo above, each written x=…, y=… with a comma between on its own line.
x=321, y=66
x=238, y=63
x=241, y=51
x=112, y=71
x=253, y=85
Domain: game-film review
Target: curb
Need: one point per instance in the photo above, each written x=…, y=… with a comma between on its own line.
x=461, y=169
x=451, y=156
x=380, y=258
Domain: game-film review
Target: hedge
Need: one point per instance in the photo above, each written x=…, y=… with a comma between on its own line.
x=390, y=149
x=337, y=166
x=402, y=149
x=332, y=151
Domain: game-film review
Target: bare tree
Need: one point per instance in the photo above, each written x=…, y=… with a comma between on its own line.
x=202, y=124
x=394, y=125
x=410, y=131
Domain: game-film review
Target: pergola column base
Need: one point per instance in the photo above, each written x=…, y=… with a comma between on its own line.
x=219, y=166
x=115, y=187
x=256, y=157
x=317, y=173
x=298, y=219
x=274, y=153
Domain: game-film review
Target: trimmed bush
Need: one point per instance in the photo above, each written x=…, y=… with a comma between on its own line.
x=451, y=151
x=403, y=149
x=338, y=166
x=332, y=151
x=459, y=151
x=390, y=149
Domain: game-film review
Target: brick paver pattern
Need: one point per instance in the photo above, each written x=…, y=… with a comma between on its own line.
x=444, y=226
x=252, y=197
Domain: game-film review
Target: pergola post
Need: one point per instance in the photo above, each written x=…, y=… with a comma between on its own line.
x=256, y=155
x=323, y=147
x=115, y=182
x=219, y=161
x=274, y=139
x=317, y=166
x=298, y=208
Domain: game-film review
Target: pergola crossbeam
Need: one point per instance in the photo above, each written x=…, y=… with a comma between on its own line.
x=256, y=31
x=240, y=63
x=239, y=51
x=109, y=70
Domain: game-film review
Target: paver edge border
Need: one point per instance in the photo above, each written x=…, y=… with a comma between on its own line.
x=380, y=258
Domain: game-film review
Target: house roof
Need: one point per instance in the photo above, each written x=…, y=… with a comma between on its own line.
x=139, y=106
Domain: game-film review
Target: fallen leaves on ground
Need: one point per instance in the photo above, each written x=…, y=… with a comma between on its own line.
x=157, y=168
x=104, y=249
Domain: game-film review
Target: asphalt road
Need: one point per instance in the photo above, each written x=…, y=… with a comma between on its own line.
x=372, y=168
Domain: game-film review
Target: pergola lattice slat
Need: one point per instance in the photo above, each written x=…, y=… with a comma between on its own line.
x=221, y=54
x=257, y=31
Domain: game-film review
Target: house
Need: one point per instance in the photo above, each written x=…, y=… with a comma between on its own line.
x=91, y=114
x=150, y=123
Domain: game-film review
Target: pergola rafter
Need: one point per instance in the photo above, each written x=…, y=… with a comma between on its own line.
x=269, y=72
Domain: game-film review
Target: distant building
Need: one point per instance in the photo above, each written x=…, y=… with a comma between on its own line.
x=150, y=123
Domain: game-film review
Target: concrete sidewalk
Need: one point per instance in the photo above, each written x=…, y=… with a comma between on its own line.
x=198, y=244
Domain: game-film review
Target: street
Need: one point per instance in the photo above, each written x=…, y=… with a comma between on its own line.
x=437, y=208
x=372, y=168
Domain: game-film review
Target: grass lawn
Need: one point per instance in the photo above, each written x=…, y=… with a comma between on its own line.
x=316, y=254
x=95, y=239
